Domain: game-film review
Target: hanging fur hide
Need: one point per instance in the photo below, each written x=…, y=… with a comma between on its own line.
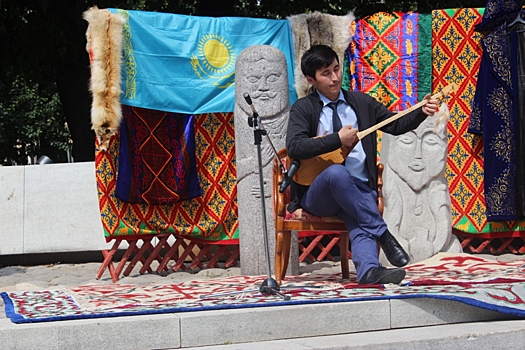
x=442, y=118
x=318, y=28
x=104, y=45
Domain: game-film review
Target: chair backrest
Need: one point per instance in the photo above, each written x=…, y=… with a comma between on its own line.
x=279, y=200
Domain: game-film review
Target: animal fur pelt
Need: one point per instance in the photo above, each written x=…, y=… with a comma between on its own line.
x=442, y=118
x=318, y=28
x=104, y=45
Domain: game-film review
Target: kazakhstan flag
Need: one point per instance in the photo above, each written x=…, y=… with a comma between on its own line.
x=186, y=64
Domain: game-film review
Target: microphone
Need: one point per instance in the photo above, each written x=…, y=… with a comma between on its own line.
x=289, y=174
x=253, y=119
x=248, y=100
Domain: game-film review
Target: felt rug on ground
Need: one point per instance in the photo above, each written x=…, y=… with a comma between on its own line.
x=497, y=286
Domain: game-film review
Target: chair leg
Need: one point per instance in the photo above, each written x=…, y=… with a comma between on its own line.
x=283, y=241
x=343, y=248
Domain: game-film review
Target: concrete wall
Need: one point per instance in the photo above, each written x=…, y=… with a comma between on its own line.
x=49, y=208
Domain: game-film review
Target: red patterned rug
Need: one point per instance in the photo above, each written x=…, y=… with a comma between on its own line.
x=488, y=284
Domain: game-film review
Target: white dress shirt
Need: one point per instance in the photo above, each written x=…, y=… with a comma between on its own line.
x=355, y=163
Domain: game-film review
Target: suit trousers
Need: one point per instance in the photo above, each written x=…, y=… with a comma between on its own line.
x=336, y=192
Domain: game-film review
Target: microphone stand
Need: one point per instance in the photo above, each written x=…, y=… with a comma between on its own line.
x=269, y=285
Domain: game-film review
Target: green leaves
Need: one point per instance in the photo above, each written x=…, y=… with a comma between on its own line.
x=31, y=123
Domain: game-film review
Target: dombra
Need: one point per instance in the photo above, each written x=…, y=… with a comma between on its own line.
x=312, y=167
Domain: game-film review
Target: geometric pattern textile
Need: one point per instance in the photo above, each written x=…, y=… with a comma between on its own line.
x=60, y=305
x=213, y=216
x=492, y=285
x=385, y=56
x=456, y=59
x=157, y=157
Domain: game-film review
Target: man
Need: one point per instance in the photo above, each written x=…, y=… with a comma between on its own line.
x=347, y=190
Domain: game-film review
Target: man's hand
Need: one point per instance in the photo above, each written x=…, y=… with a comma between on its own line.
x=348, y=136
x=431, y=106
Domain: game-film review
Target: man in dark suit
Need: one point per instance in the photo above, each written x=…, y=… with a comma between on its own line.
x=326, y=120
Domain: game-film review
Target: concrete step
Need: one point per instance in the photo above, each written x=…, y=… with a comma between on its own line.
x=465, y=336
x=315, y=326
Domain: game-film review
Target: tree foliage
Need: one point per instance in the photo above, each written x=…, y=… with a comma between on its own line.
x=31, y=123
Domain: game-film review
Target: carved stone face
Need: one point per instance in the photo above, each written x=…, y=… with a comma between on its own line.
x=261, y=72
x=419, y=156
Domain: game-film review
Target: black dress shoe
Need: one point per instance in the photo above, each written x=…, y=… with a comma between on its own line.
x=393, y=250
x=382, y=275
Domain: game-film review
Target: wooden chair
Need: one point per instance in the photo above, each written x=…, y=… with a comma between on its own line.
x=303, y=221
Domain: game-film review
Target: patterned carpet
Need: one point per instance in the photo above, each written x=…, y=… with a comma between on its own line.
x=488, y=284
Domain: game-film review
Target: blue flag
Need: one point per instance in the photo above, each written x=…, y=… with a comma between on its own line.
x=186, y=64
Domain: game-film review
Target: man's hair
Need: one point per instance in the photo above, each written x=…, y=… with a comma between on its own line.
x=317, y=57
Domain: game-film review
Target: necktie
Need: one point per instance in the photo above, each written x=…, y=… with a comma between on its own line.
x=336, y=121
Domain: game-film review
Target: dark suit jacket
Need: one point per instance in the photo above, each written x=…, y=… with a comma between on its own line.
x=304, y=120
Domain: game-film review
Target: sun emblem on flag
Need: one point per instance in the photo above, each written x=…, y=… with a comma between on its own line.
x=214, y=60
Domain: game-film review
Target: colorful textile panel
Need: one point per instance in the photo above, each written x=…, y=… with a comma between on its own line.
x=186, y=64
x=385, y=59
x=157, y=157
x=211, y=216
x=493, y=117
x=390, y=59
x=456, y=59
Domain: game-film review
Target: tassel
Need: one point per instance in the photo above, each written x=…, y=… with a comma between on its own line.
x=442, y=118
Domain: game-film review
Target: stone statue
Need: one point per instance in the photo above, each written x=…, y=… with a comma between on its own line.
x=261, y=71
x=417, y=200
